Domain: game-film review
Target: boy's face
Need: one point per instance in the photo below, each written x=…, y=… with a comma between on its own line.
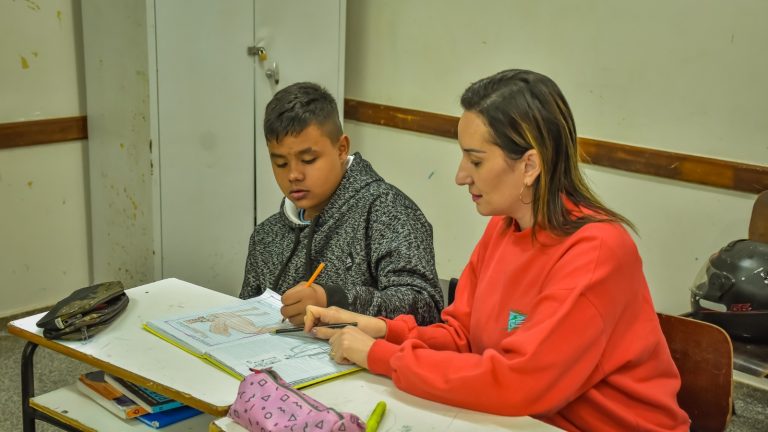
x=308, y=168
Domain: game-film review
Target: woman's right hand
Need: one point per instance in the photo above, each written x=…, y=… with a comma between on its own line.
x=316, y=315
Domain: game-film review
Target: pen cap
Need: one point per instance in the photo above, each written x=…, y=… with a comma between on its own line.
x=372, y=425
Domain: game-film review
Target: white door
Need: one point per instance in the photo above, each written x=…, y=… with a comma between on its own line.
x=214, y=174
x=306, y=40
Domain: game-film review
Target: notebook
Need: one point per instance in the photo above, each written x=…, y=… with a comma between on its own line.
x=239, y=337
x=151, y=401
x=93, y=385
x=162, y=419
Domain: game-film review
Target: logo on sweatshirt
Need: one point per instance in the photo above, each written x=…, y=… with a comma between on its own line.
x=516, y=319
x=349, y=262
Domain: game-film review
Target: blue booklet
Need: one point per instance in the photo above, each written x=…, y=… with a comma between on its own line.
x=151, y=401
x=168, y=417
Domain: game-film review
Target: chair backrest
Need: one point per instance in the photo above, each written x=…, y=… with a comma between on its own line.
x=758, y=223
x=452, y=290
x=703, y=355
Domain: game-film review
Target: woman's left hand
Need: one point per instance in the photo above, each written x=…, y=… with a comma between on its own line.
x=350, y=345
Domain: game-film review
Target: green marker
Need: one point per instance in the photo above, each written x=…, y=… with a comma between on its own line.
x=372, y=425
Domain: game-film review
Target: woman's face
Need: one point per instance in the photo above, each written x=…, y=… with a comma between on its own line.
x=494, y=181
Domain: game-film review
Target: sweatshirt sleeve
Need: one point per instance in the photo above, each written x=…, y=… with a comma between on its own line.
x=453, y=333
x=559, y=347
x=401, y=258
x=250, y=287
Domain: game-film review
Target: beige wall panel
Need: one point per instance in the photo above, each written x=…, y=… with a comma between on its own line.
x=43, y=225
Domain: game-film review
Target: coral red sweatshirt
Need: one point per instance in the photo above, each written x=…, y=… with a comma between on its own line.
x=562, y=329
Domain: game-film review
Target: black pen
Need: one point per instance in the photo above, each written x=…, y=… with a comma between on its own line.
x=298, y=329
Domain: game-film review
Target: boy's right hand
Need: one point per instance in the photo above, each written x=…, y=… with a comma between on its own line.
x=315, y=315
x=296, y=300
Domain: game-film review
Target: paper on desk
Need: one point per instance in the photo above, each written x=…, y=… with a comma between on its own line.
x=239, y=337
x=202, y=331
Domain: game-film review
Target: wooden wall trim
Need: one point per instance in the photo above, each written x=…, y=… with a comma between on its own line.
x=659, y=163
x=401, y=118
x=46, y=131
x=676, y=166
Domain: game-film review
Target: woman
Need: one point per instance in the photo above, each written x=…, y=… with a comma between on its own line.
x=552, y=317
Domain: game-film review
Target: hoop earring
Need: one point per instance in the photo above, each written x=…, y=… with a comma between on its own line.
x=521, y=195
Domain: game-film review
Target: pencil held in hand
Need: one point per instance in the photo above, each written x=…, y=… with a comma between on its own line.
x=311, y=280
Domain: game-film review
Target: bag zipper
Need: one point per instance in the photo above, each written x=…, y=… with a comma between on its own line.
x=299, y=394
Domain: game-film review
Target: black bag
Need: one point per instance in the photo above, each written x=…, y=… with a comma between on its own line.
x=85, y=312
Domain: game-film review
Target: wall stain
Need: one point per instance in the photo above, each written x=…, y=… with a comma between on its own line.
x=134, y=204
x=32, y=5
x=29, y=184
x=429, y=177
x=122, y=146
x=406, y=117
x=58, y=16
x=24, y=62
x=35, y=54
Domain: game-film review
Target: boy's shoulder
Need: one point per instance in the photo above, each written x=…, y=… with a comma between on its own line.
x=273, y=219
x=370, y=183
x=384, y=194
x=272, y=225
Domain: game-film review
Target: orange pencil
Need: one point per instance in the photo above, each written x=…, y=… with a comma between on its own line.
x=320, y=268
x=315, y=274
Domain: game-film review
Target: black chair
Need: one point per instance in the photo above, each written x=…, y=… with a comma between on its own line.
x=452, y=289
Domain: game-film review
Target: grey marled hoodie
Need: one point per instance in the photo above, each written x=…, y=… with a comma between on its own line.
x=375, y=242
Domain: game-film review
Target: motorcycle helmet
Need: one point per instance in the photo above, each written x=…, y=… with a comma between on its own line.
x=731, y=291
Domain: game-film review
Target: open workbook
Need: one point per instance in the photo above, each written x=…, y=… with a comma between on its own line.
x=238, y=337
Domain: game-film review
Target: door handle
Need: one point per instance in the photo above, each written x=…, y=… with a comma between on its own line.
x=273, y=73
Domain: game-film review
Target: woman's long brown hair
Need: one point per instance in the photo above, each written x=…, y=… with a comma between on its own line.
x=526, y=110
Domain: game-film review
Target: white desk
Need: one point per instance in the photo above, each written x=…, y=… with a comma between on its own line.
x=126, y=350
x=73, y=408
x=359, y=392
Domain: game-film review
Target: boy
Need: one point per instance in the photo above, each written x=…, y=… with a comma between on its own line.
x=375, y=242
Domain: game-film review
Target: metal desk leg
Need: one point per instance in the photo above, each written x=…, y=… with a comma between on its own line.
x=29, y=414
x=28, y=386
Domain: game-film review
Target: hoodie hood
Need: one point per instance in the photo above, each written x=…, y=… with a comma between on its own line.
x=357, y=176
x=375, y=242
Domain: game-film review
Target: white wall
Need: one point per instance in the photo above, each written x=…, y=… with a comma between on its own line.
x=679, y=75
x=43, y=218
x=120, y=159
x=676, y=75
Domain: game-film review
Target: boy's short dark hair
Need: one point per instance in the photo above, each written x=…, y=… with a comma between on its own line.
x=297, y=107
